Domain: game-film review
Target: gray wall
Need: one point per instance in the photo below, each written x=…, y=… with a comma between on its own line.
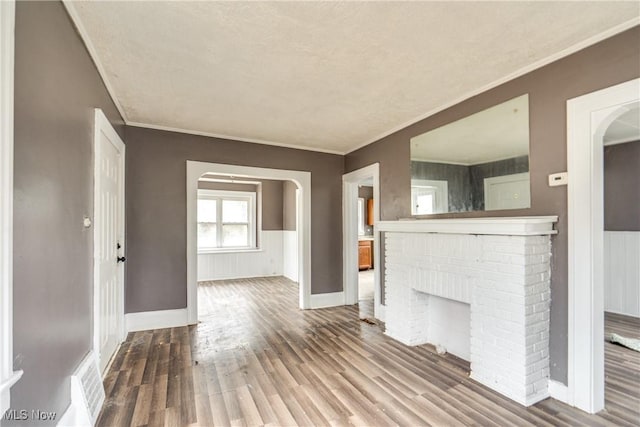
x=271, y=194
x=610, y=62
x=156, y=210
x=272, y=205
x=56, y=89
x=622, y=187
x=289, y=205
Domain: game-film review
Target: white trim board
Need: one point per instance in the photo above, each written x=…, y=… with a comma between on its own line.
x=588, y=117
x=160, y=319
x=7, y=39
x=350, y=183
x=302, y=179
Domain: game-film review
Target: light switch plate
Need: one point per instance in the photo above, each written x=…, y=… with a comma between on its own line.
x=557, y=179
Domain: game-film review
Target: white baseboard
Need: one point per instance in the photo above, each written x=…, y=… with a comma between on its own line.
x=559, y=391
x=160, y=319
x=331, y=299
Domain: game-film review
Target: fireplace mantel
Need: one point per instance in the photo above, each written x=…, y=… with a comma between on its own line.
x=503, y=226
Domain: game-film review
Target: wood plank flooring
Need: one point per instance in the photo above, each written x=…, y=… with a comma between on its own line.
x=255, y=359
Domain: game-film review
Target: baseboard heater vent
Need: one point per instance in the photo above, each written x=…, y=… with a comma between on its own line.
x=87, y=393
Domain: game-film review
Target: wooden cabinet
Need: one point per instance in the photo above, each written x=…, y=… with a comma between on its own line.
x=365, y=254
x=370, y=212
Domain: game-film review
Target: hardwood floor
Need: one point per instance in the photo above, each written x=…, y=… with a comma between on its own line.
x=255, y=359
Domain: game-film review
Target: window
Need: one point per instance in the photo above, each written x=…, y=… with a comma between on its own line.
x=429, y=197
x=226, y=220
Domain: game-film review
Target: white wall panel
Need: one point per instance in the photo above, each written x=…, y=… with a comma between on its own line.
x=290, y=254
x=622, y=272
x=266, y=262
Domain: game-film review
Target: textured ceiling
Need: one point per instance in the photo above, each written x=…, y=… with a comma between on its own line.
x=330, y=76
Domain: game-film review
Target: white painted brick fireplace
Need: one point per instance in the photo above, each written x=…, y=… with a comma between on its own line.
x=479, y=287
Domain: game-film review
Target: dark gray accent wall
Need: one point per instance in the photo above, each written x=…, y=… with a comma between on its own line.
x=56, y=89
x=458, y=182
x=622, y=187
x=477, y=174
x=365, y=192
x=272, y=203
x=289, y=205
x=604, y=64
x=157, y=220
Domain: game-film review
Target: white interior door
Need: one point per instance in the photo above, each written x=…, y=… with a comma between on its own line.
x=108, y=240
x=507, y=192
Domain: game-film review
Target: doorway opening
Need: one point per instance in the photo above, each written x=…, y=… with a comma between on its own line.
x=361, y=240
x=247, y=222
x=247, y=229
x=588, y=119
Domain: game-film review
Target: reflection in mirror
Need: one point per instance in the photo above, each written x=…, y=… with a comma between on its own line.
x=480, y=162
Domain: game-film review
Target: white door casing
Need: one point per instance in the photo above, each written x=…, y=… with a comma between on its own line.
x=350, y=236
x=588, y=117
x=7, y=36
x=109, y=242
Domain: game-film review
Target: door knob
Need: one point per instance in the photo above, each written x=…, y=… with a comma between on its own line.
x=121, y=259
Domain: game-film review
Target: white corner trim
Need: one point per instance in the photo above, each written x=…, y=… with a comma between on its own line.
x=513, y=226
x=233, y=138
x=84, y=35
x=558, y=391
x=330, y=299
x=521, y=72
x=7, y=50
x=160, y=319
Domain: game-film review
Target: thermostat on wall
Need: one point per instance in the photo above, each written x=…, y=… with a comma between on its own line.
x=556, y=179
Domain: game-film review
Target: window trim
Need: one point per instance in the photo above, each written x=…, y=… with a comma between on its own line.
x=220, y=195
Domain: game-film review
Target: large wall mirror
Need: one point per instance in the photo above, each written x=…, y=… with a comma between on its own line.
x=480, y=162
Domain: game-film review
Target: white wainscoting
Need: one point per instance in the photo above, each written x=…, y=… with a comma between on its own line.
x=267, y=261
x=622, y=272
x=290, y=254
